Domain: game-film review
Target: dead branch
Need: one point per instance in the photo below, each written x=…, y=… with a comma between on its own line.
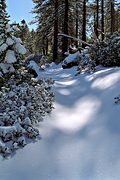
x=75, y=39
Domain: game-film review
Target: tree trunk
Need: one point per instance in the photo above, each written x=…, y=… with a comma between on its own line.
x=55, y=45
x=112, y=17
x=65, y=29
x=46, y=46
x=97, y=17
x=95, y=27
x=84, y=23
x=76, y=22
x=43, y=48
x=102, y=20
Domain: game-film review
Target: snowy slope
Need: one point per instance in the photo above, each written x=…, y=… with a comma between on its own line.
x=80, y=138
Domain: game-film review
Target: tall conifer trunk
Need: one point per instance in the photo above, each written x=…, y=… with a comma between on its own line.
x=112, y=17
x=97, y=17
x=65, y=29
x=84, y=23
x=55, y=45
x=76, y=22
x=102, y=20
x=46, y=46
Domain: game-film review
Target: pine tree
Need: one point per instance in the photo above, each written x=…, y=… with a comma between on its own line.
x=11, y=48
x=27, y=36
x=110, y=19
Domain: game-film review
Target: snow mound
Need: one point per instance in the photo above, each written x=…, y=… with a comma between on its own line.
x=72, y=57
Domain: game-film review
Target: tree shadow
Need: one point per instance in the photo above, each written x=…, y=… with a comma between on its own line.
x=92, y=150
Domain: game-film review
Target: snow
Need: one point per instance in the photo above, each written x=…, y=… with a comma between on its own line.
x=20, y=48
x=9, y=41
x=6, y=68
x=9, y=28
x=33, y=65
x=1, y=42
x=10, y=57
x=66, y=53
x=72, y=57
x=81, y=137
x=15, y=28
x=3, y=47
x=17, y=40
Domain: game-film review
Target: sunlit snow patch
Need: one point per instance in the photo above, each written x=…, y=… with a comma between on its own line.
x=73, y=120
x=64, y=92
x=106, y=82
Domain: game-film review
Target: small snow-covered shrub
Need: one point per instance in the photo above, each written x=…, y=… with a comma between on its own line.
x=24, y=101
x=107, y=53
x=85, y=63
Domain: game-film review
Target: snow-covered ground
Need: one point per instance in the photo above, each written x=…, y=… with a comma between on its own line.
x=80, y=138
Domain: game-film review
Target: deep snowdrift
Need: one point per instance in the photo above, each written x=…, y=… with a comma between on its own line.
x=81, y=137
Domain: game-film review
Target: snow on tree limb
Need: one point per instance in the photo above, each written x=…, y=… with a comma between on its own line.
x=76, y=39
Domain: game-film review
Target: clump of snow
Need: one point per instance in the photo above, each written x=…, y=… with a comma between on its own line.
x=15, y=27
x=6, y=68
x=72, y=57
x=10, y=57
x=9, y=41
x=3, y=47
x=17, y=40
x=33, y=65
x=9, y=28
x=20, y=48
x=66, y=53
